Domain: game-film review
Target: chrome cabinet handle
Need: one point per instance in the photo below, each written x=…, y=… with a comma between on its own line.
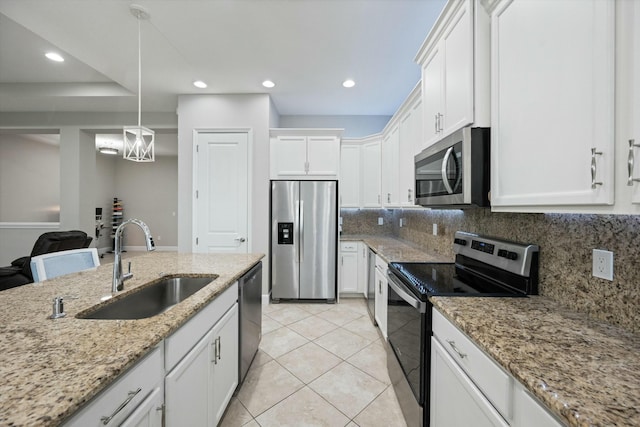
x=594, y=153
x=453, y=346
x=214, y=352
x=443, y=170
x=379, y=202
x=219, y=347
x=388, y=197
x=130, y=396
x=630, y=162
x=435, y=122
x=240, y=239
x=409, y=196
x=440, y=116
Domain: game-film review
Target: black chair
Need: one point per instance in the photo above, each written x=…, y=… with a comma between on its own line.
x=19, y=272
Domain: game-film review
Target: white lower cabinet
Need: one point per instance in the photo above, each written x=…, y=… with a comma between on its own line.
x=350, y=282
x=116, y=405
x=201, y=364
x=199, y=388
x=469, y=388
x=381, y=295
x=149, y=413
x=455, y=399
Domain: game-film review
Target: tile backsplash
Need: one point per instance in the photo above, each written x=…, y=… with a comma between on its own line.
x=566, y=243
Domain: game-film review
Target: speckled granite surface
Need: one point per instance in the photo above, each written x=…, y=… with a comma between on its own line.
x=392, y=249
x=49, y=368
x=586, y=371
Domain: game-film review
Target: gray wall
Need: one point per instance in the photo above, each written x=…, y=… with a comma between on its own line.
x=29, y=179
x=227, y=112
x=354, y=126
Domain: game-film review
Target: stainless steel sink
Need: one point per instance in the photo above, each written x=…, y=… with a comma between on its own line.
x=151, y=300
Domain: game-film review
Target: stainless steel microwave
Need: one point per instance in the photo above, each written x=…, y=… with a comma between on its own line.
x=454, y=172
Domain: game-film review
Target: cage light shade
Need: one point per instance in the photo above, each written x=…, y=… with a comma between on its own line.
x=138, y=144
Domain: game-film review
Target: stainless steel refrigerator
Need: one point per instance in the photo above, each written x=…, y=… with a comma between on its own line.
x=304, y=234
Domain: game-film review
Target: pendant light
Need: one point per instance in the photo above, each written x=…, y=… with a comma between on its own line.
x=139, y=140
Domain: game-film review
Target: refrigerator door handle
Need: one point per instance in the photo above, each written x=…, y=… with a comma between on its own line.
x=301, y=230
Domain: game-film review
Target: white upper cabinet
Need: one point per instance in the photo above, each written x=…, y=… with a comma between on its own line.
x=455, y=71
x=371, y=166
x=350, y=175
x=629, y=67
x=305, y=153
x=552, y=99
x=390, y=165
x=410, y=142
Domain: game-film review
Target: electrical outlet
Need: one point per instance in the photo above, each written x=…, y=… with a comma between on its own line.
x=380, y=221
x=603, y=264
x=401, y=222
x=435, y=229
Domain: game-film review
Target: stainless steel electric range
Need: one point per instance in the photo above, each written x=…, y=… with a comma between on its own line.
x=484, y=267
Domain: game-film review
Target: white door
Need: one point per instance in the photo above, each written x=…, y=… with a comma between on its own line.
x=221, y=204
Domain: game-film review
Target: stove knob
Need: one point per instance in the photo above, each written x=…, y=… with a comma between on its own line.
x=512, y=256
x=502, y=253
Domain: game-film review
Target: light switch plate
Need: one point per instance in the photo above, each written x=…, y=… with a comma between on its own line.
x=435, y=229
x=603, y=264
x=380, y=221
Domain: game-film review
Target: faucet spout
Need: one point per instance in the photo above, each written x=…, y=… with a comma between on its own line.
x=117, y=284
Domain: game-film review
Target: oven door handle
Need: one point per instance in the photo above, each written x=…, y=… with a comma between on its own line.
x=445, y=178
x=398, y=287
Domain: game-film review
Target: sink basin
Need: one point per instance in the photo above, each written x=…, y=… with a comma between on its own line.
x=151, y=300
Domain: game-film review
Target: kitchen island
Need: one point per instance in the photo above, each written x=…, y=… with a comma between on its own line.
x=50, y=368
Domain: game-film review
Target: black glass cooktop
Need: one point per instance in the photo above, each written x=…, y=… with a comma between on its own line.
x=445, y=279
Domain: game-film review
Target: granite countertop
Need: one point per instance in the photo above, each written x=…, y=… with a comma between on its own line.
x=50, y=368
x=395, y=250
x=585, y=371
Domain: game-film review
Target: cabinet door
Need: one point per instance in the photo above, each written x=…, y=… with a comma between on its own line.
x=149, y=413
x=410, y=131
x=452, y=390
x=457, y=42
x=552, y=103
x=225, y=363
x=528, y=412
x=188, y=387
x=381, y=302
x=634, y=118
x=389, y=163
x=288, y=156
x=432, y=97
x=371, y=175
x=323, y=156
x=350, y=176
x=349, y=277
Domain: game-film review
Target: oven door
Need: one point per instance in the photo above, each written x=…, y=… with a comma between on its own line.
x=407, y=318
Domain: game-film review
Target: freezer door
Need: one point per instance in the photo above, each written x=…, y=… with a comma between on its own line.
x=318, y=239
x=285, y=199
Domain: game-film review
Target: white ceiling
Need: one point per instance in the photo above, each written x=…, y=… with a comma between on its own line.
x=308, y=47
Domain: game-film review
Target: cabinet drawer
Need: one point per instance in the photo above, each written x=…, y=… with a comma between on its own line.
x=184, y=339
x=349, y=246
x=488, y=376
x=123, y=396
x=381, y=265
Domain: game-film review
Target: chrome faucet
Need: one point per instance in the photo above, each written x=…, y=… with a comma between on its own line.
x=118, y=278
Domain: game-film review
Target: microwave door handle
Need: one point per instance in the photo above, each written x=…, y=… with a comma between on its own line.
x=445, y=179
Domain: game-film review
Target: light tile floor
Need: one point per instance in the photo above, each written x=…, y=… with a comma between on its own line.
x=318, y=365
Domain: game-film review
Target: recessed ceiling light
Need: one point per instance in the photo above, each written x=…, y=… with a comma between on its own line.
x=268, y=84
x=54, y=56
x=200, y=84
x=348, y=83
